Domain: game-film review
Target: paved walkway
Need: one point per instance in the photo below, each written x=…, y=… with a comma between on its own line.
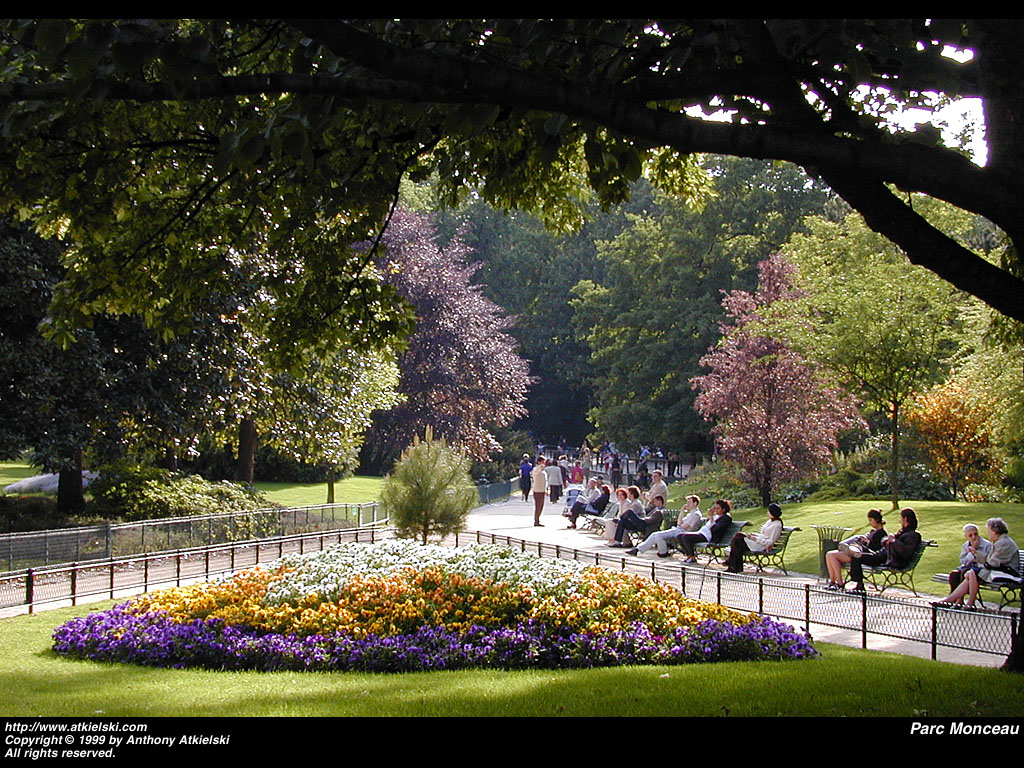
x=514, y=518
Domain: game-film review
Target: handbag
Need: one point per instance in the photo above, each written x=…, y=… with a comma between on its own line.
x=854, y=546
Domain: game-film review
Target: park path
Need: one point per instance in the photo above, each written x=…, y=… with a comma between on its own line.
x=514, y=518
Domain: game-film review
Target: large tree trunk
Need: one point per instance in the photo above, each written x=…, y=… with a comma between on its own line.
x=331, y=475
x=246, y=450
x=70, y=499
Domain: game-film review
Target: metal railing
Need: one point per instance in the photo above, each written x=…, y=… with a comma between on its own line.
x=135, y=574
x=33, y=549
x=111, y=540
x=807, y=604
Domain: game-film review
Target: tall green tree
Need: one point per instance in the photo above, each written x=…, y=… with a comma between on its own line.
x=883, y=326
x=658, y=308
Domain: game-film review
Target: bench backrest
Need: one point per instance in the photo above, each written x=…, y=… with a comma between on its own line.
x=735, y=527
x=916, y=558
x=782, y=541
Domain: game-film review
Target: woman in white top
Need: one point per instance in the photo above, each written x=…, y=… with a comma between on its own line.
x=755, y=542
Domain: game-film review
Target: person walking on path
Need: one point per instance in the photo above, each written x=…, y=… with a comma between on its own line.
x=525, y=469
x=539, y=488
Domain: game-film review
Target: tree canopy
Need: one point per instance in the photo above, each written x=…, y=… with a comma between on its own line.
x=163, y=148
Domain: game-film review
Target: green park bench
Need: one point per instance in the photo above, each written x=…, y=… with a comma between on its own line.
x=883, y=577
x=1007, y=585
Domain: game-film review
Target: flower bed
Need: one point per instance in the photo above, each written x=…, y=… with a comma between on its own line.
x=400, y=606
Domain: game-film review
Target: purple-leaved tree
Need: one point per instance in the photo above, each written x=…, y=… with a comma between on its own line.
x=775, y=416
x=460, y=373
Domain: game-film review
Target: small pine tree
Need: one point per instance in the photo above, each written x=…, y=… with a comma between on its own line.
x=429, y=491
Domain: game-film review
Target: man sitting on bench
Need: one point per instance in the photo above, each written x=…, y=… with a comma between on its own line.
x=642, y=522
x=689, y=521
x=718, y=522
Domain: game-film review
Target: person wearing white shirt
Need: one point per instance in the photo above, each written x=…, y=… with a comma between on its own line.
x=658, y=487
x=689, y=521
x=539, y=488
x=755, y=542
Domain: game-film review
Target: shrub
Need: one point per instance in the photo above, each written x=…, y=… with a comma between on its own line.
x=429, y=492
x=720, y=480
x=129, y=492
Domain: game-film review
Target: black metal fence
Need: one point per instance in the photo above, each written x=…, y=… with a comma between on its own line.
x=124, y=576
x=112, y=540
x=987, y=632
x=806, y=604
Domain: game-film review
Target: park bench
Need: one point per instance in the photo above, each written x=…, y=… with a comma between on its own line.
x=1007, y=585
x=892, y=577
x=595, y=523
x=715, y=549
x=774, y=555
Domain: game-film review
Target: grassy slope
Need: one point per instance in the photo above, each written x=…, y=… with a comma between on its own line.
x=35, y=681
x=353, y=490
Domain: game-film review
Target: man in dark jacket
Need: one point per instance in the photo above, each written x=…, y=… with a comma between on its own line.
x=714, y=529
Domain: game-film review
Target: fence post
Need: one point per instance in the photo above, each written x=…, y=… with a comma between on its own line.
x=177, y=568
x=206, y=558
x=111, y=579
x=74, y=583
x=30, y=588
x=760, y=596
x=807, y=607
x=719, y=582
x=935, y=627
x=863, y=620
x=145, y=574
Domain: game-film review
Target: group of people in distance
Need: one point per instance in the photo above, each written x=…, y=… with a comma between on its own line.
x=546, y=476
x=633, y=511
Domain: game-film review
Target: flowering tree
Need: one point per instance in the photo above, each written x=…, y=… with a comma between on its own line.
x=460, y=373
x=955, y=426
x=776, y=417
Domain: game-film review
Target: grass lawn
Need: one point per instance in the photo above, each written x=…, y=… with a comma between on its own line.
x=354, y=490
x=13, y=471
x=35, y=681
x=941, y=521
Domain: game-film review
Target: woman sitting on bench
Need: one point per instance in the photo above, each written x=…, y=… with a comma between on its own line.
x=761, y=541
x=1003, y=558
x=871, y=548
x=899, y=548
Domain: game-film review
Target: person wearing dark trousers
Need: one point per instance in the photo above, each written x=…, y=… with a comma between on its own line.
x=899, y=549
x=718, y=523
x=761, y=541
x=642, y=523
